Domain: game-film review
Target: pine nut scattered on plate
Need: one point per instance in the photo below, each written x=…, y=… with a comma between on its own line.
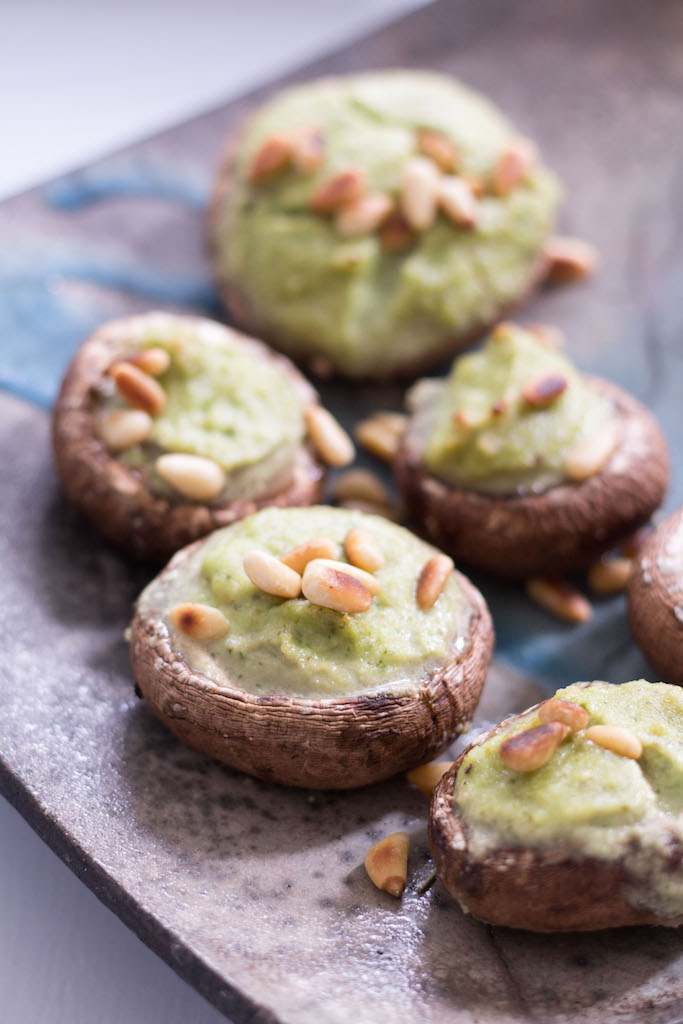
x=569, y=259
x=271, y=575
x=360, y=483
x=387, y=863
x=380, y=434
x=200, y=621
x=329, y=438
x=610, y=575
x=558, y=598
x=193, y=476
x=426, y=776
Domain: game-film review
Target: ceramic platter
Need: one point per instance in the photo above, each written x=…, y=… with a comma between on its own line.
x=253, y=893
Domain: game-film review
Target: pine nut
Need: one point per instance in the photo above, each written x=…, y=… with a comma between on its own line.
x=362, y=550
x=334, y=193
x=610, y=575
x=387, y=863
x=427, y=775
x=330, y=439
x=591, y=455
x=565, y=711
x=457, y=201
x=199, y=621
x=271, y=575
x=396, y=234
x=531, y=749
x=615, y=738
x=153, y=361
x=193, y=476
x=271, y=158
x=419, y=190
x=318, y=547
x=138, y=388
x=513, y=165
x=439, y=148
x=308, y=149
x=569, y=259
x=544, y=389
x=364, y=214
x=373, y=508
x=432, y=580
x=360, y=483
x=380, y=434
x=559, y=599
x=122, y=428
x=332, y=585
x=369, y=581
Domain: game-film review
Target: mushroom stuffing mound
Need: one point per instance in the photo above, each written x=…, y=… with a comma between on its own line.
x=167, y=427
x=568, y=816
x=315, y=647
x=519, y=464
x=373, y=224
x=655, y=599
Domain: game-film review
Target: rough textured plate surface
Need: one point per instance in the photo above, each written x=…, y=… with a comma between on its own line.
x=254, y=893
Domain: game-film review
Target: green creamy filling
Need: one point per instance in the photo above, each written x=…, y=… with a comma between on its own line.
x=587, y=800
x=225, y=402
x=349, y=298
x=298, y=648
x=482, y=433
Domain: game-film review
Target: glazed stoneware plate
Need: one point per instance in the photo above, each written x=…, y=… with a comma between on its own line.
x=256, y=894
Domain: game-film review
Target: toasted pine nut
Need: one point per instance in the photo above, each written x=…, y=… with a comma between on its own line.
x=193, y=476
x=271, y=158
x=565, y=711
x=387, y=863
x=381, y=435
x=513, y=165
x=558, y=598
x=419, y=190
x=122, y=428
x=333, y=585
x=427, y=775
x=457, y=201
x=615, y=738
x=610, y=575
x=138, y=388
x=153, y=361
x=439, y=148
x=271, y=575
x=308, y=148
x=369, y=581
x=360, y=483
x=362, y=550
x=200, y=621
x=432, y=579
x=569, y=259
x=374, y=508
x=547, y=333
x=318, y=547
x=364, y=214
x=544, y=389
x=338, y=190
x=330, y=439
x=526, y=751
x=591, y=455
x=396, y=233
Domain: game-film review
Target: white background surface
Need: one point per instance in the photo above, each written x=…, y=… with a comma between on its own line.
x=78, y=79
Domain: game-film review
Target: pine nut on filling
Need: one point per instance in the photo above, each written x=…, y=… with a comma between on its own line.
x=316, y=626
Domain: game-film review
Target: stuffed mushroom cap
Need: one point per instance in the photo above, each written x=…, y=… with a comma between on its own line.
x=519, y=464
x=592, y=838
x=169, y=426
x=374, y=223
x=655, y=599
x=291, y=690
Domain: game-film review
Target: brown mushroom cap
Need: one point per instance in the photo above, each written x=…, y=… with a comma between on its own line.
x=558, y=531
x=317, y=744
x=243, y=310
x=522, y=887
x=655, y=601
x=116, y=498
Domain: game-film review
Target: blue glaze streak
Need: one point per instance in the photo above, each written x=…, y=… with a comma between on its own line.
x=130, y=177
x=42, y=320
